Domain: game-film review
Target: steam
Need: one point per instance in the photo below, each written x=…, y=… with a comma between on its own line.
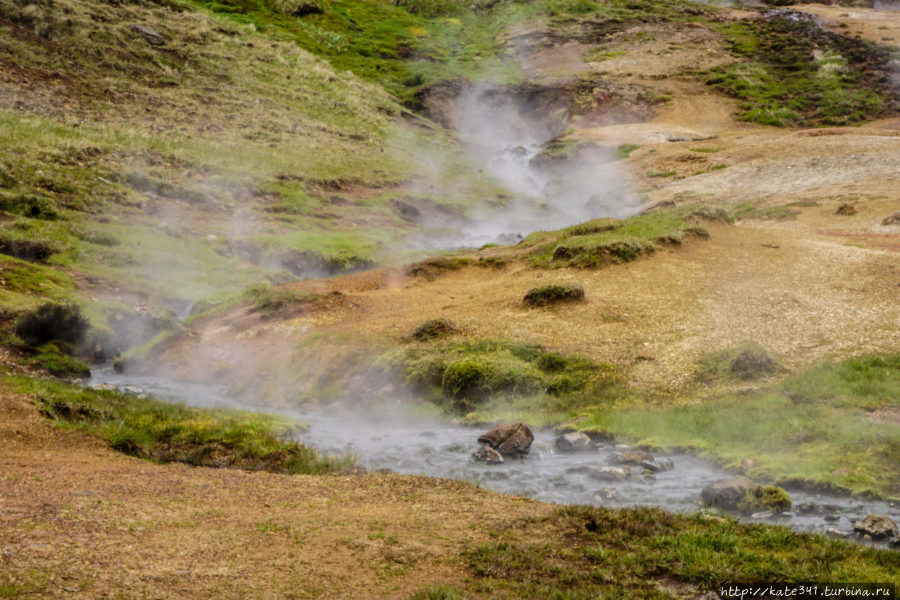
x=515, y=137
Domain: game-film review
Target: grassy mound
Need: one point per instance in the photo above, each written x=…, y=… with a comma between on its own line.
x=554, y=294
x=464, y=375
x=166, y=432
x=601, y=242
x=433, y=329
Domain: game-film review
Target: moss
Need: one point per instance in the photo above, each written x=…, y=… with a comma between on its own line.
x=762, y=498
x=269, y=299
x=433, y=329
x=554, y=294
x=168, y=432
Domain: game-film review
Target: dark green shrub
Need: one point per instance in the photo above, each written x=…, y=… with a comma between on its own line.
x=52, y=322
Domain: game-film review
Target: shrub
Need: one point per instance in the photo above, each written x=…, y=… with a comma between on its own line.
x=553, y=294
x=465, y=377
x=52, y=322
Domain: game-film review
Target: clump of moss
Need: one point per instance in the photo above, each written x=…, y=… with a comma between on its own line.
x=433, y=267
x=746, y=362
x=433, y=329
x=554, y=294
x=167, y=432
x=270, y=299
x=765, y=497
x=58, y=363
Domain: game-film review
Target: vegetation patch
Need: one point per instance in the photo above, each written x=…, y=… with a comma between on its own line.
x=602, y=242
x=819, y=427
x=765, y=497
x=554, y=294
x=51, y=322
x=433, y=329
x=434, y=267
x=746, y=362
x=464, y=375
x=795, y=72
x=590, y=552
x=165, y=432
x=267, y=299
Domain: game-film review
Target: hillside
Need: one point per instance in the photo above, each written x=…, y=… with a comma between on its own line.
x=663, y=223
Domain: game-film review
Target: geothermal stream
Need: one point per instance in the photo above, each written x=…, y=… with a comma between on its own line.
x=433, y=448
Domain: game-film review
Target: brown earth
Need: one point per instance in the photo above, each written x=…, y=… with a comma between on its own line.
x=79, y=520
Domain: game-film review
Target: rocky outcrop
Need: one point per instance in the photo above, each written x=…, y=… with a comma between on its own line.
x=488, y=455
x=877, y=527
x=509, y=439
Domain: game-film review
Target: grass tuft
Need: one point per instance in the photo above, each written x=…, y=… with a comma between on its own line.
x=547, y=295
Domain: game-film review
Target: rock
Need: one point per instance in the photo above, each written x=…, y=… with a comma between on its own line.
x=727, y=493
x=832, y=518
x=102, y=387
x=607, y=493
x=608, y=474
x=509, y=439
x=133, y=390
x=149, y=34
x=766, y=514
x=810, y=508
x=893, y=219
x=846, y=210
x=666, y=463
x=488, y=455
x=879, y=527
x=894, y=543
x=836, y=533
x=637, y=458
x=574, y=441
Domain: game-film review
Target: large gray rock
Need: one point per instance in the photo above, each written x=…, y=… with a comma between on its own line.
x=574, y=441
x=509, y=439
x=727, y=493
x=608, y=473
x=877, y=527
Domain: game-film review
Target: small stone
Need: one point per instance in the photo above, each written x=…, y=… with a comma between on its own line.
x=846, y=210
x=832, y=518
x=766, y=514
x=810, y=508
x=607, y=493
x=149, y=34
x=836, y=533
x=509, y=439
x=893, y=219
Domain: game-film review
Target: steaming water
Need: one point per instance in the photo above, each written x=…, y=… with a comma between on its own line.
x=439, y=449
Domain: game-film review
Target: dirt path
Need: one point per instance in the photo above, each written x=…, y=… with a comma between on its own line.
x=78, y=520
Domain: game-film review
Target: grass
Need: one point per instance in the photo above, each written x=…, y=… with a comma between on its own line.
x=165, y=432
x=554, y=294
x=267, y=299
x=601, y=242
x=820, y=427
x=463, y=376
x=746, y=362
x=792, y=72
x=599, y=553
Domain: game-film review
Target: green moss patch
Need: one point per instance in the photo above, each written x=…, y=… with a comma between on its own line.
x=547, y=295
x=765, y=497
x=602, y=242
x=793, y=72
x=166, y=432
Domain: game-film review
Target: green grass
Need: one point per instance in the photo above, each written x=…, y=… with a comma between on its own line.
x=792, y=72
x=598, y=553
x=548, y=295
x=604, y=241
x=269, y=299
x=166, y=432
x=490, y=375
x=818, y=427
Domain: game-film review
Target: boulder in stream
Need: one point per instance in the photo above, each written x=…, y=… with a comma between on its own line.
x=727, y=493
x=639, y=458
x=877, y=527
x=608, y=473
x=488, y=455
x=509, y=439
x=573, y=441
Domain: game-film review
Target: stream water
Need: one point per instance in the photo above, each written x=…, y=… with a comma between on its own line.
x=422, y=446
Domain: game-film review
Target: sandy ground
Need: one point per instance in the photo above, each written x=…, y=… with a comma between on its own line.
x=78, y=520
